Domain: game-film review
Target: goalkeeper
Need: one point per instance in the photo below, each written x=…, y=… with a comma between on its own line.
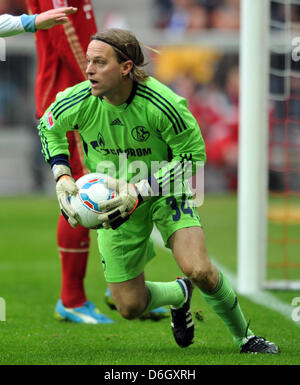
x=122, y=111
x=15, y=25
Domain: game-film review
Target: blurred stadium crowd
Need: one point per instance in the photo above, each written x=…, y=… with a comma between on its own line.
x=206, y=76
x=195, y=15
x=191, y=15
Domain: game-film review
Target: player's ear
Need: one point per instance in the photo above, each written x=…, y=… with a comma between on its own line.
x=126, y=67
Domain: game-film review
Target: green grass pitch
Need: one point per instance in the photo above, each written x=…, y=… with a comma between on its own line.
x=30, y=284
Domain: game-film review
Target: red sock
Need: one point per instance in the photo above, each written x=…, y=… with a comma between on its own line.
x=73, y=245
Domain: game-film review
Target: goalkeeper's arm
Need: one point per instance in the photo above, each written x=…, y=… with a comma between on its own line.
x=15, y=25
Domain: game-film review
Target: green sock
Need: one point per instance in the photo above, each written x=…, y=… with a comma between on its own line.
x=224, y=302
x=164, y=293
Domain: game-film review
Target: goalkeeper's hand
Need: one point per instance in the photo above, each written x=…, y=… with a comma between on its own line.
x=118, y=210
x=65, y=186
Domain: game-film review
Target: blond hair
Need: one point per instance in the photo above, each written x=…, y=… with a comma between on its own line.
x=126, y=47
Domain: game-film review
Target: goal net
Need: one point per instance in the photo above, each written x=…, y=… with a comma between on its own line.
x=269, y=146
x=283, y=257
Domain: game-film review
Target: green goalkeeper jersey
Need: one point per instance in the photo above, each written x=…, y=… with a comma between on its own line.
x=151, y=136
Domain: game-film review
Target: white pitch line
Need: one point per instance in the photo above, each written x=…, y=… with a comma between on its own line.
x=260, y=297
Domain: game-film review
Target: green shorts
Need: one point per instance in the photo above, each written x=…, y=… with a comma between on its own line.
x=126, y=250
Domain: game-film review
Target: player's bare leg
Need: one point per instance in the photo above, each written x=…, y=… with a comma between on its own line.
x=189, y=249
x=130, y=297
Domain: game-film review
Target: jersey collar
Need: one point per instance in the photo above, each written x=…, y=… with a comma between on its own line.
x=123, y=106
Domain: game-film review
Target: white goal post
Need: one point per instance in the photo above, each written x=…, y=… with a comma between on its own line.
x=253, y=145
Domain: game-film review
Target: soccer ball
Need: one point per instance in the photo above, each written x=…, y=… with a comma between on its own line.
x=92, y=191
